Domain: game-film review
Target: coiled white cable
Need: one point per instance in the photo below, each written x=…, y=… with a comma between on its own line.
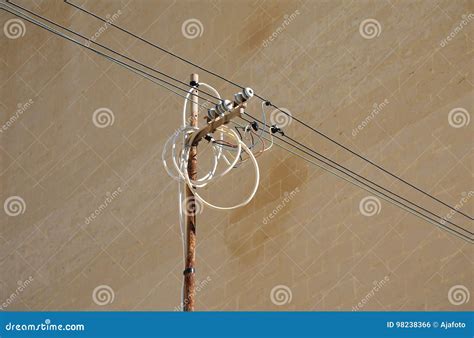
x=201, y=182
x=185, y=175
x=180, y=158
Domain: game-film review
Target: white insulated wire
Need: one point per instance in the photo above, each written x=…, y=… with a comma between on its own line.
x=201, y=182
x=181, y=157
x=185, y=176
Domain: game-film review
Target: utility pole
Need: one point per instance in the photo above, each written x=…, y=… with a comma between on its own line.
x=236, y=109
x=189, y=291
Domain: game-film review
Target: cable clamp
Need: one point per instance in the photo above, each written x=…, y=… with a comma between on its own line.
x=194, y=84
x=274, y=129
x=209, y=138
x=188, y=270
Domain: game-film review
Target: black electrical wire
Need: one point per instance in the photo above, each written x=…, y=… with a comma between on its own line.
x=365, y=186
x=153, y=44
x=271, y=104
x=369, y=188
x=369, y=161
x=109, y=49
x=123, y=64
x=359, y=176
x=144, y=74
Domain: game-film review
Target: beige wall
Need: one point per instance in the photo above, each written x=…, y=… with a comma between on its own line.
x=319, y=245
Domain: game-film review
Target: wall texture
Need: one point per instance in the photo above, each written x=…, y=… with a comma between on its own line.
x=325, y=63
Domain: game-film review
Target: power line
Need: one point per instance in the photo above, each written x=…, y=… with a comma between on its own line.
x=153, y=44
x=153, y=79
x=359, y=176
x=138, y=71
x=273, y=105
x=368, y=188
x=109, y=49
x=369, y=161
